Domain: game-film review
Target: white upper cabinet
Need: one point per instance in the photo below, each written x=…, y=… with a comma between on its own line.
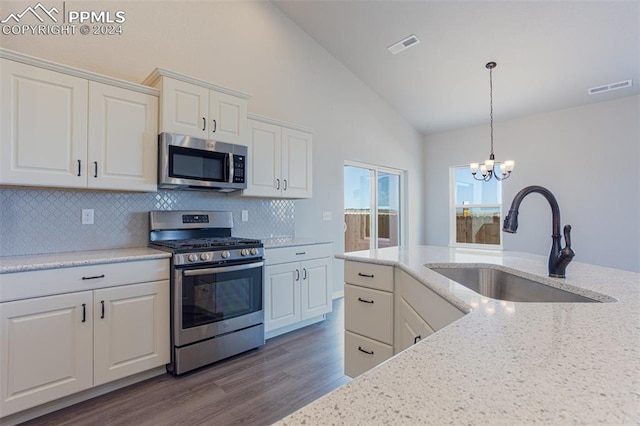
x=44, y=127
x=63, y=127
x=280, y=160
x=123, y=139
x=200, y=109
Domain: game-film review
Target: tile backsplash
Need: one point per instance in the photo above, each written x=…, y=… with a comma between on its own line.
x=36, y=221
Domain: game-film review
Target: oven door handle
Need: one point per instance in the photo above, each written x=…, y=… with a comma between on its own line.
x=206, y=271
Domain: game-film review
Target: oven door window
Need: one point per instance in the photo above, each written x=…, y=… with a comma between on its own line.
x=197, y=164
x=213, y=297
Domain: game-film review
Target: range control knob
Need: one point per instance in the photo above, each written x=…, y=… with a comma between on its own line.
x=204, y=257
x=254, y=251
x=192, y=257
x=244, y=252
x=225, y=254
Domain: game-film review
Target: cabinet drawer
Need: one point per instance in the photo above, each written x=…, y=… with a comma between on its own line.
x=369, y=275
x=362, y=354
x=276, y=255
x=25, y=285
x=369, y=312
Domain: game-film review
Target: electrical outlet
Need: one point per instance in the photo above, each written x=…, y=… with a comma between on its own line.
x=327, y=216
x=245, y=215
x=87, y=216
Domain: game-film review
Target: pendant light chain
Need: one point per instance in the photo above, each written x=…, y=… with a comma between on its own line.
x=491, y=105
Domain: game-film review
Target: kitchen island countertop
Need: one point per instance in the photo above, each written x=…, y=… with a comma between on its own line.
x=503, y=362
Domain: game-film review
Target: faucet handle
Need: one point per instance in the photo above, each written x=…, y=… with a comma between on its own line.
x=566, y=251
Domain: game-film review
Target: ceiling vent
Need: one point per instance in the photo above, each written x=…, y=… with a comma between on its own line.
x=612, y=86
x=412, y=40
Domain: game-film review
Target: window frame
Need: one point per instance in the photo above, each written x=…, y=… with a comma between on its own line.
x=452, y=213
x=402, y=193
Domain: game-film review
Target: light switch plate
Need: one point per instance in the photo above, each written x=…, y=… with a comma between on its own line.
x=87, y=216
x=245, y=215
x=327, y=216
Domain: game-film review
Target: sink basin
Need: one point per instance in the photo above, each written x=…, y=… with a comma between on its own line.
x=502, y=285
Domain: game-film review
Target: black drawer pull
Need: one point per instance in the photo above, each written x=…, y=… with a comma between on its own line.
x=79, y=167
x=102, y=313
x=298, y=253
x=360, y=274
x=366, y=352
x=360, y=299
x=93, y=278
x=84, y=312
x=416, y=339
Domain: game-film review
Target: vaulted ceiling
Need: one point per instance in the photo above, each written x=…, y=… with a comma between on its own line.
x=548, y=53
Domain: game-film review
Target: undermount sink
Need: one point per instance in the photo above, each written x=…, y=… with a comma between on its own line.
x=502, y=285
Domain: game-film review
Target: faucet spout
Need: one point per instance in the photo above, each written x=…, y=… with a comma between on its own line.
x=559, y=257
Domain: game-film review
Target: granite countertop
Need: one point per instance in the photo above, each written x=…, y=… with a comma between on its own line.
x=291, y=242
x=36, y=262
x=503, y=362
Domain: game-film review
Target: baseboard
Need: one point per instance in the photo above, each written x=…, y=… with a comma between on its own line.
x=67, y=401
x=292, y=327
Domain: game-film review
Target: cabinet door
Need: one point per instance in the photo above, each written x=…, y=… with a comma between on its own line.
x=45, y=349
x=315, y=292
x=282, y=295
x=185, y=108
x=296, y=164
x=43, y=127
x=131, y=330
x=123, y=140
x=410, y=327
x=227, y=118
x=264, y=171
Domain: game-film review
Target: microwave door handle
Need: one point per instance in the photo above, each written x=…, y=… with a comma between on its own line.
x=230, y=168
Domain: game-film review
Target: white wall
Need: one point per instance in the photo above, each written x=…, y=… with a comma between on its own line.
x=588, y=156
x=252, y=47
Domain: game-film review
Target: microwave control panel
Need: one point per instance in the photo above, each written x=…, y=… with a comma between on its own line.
x=238, y=168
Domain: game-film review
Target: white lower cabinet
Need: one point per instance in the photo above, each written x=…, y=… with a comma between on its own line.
x=410, y=327
x=46, y=349
x=130, y=329
x=386, y=311
x=368, y=316
x=54, y=346
x=297, y=286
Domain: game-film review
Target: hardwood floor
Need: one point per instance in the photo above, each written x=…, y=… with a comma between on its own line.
x=258, y=387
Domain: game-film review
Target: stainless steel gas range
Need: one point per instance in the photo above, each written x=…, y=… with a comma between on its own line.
x=216, y=286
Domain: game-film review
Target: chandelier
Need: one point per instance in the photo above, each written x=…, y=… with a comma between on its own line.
x=488, y=168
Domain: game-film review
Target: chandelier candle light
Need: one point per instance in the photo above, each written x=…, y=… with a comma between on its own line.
x=488, y=168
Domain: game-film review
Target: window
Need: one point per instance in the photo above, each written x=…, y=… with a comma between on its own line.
x=476, y=210
x=371, y=192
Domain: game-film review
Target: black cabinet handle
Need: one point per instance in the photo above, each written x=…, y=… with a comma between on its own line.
x=204, y=124
x=298, y=253
x=365, y=301
x=285, y=185
x=416, y=339
x=277, y=183
x=366, y=352
x=79, y=167
x=84, y=312
x=297, y=274
x=215, y=126
x=102, y=313
x=304, y=273
x=360, y=274
x=94, y=277
x=95, y=169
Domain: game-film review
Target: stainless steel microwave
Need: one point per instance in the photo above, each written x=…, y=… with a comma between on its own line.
x=185, y=162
